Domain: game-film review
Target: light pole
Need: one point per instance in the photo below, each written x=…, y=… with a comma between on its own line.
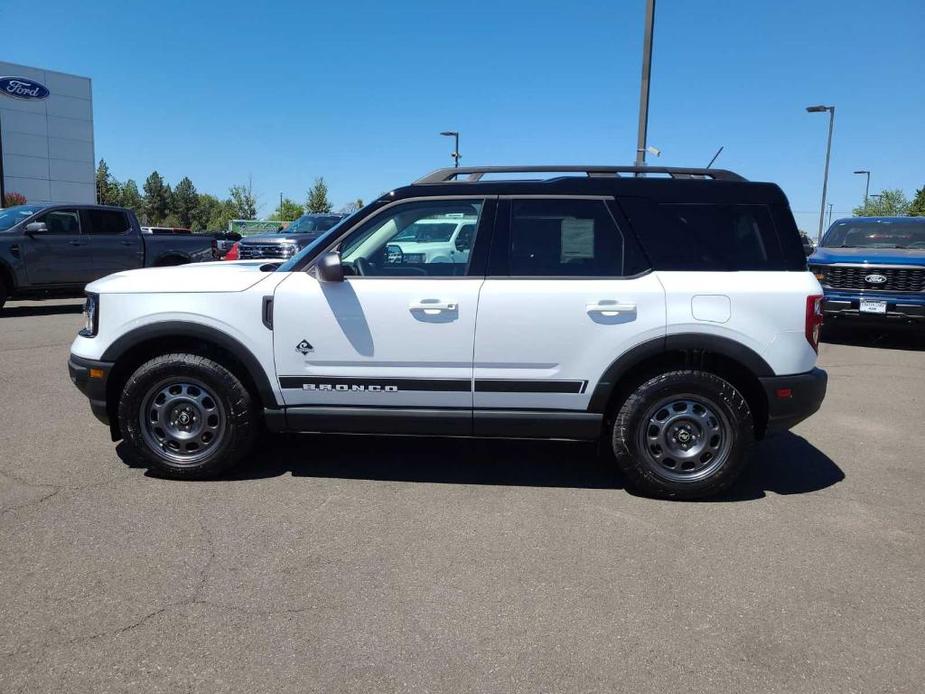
x=455, y=135
x=866, y=185
x=828, y=154
x=644, y=86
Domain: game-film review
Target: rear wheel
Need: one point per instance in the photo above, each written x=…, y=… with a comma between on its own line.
x=682, y=434
x=187, y=416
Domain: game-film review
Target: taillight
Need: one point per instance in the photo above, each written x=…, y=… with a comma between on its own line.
x=233, y=252
x=813, y=320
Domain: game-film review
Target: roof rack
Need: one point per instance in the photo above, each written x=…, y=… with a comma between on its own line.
x=475, y=173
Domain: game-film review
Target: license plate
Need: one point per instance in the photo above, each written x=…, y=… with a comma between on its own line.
x=868, y=306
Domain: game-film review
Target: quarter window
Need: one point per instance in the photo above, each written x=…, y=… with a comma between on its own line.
x=564, y=238
x=417, y=239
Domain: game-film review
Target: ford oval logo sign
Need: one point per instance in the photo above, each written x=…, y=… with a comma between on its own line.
x=23, y=88
x=875, y=279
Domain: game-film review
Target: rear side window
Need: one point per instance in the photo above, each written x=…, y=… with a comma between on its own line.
x=564, y=238
x=106, y=222
x=712, y=237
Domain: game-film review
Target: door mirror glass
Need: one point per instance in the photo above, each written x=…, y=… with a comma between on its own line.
x=329, y=268
x=36, y=228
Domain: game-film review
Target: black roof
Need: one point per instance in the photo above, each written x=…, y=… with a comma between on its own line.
x=659, y=183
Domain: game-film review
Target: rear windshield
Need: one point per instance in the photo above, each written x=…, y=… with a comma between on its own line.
x=876, y=233
x=716, y=237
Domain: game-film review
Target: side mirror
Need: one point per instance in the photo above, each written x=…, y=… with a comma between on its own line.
x=329, y=268
x=36, y=228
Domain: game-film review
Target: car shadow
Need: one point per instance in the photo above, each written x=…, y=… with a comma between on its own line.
x=9, y=311
x=911, y=338
x=784, y=464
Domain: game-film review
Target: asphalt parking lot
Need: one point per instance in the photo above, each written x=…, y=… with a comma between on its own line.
x=370, y=564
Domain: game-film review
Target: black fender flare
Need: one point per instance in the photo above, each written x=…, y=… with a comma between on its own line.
x=186, y=258
x=681, y=342
x=196, y=331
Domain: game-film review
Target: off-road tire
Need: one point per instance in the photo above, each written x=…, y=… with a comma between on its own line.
x=230, y=400
x=635, y=423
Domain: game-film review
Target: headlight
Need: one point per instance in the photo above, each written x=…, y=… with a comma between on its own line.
x=91, y=316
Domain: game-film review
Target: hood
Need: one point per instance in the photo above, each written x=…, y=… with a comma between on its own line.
x=869, y=256
x=221, y=276
x=282, y=237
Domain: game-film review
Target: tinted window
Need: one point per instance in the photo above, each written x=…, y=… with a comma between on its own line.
x=564, y=238
x=717, y=237
x=107, y=222
x=61, y=222
x=400, y=243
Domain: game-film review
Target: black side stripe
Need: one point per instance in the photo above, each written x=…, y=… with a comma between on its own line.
x=456, y=385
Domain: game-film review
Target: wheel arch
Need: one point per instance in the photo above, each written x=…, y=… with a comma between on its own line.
x=134, y=348
x=171, y=259
x=724, y=357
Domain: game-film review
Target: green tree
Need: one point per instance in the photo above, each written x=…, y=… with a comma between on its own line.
x=288, y=210
x=244, y=201
x=222, y=216
x=184, y=201
x=130, y=197
x=157, y=199
x=917, y=207
x=107, y=187
x=889, y=203
x=352, y=207
x=318, y=197
x=206, y=206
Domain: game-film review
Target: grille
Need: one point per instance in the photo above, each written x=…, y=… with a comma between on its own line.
x=266, y=250
x=897, y=279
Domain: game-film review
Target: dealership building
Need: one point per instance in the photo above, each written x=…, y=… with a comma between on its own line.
x=46, y=135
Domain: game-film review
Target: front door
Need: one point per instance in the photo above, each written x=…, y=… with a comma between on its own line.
x=567, y=293
x=397, y=332
x=60, y=255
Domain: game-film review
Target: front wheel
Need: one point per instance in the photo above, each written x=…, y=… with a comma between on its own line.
x=683, y=435
x=187, y=416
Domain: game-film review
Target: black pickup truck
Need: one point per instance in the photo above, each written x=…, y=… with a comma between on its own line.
x=55, y=250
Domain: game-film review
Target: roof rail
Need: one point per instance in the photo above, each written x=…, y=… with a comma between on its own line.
x=475, y=173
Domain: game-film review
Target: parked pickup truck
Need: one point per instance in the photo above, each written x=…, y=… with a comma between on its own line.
x=872, y=269
x=58, y=249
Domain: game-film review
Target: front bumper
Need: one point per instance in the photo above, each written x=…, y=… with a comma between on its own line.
x=840, y=304
x=90, y=377
x=791, y=399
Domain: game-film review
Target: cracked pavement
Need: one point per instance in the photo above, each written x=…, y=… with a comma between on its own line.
x=337, y=564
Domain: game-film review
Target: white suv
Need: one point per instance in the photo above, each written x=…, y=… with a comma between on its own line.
x=670, y=315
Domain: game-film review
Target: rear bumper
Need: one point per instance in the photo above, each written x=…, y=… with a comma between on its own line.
x=93, y=385
x=791, y=399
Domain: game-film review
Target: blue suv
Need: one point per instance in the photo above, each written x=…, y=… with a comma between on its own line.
x=873, y=268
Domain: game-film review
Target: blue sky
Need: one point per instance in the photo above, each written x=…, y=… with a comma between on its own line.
x=358, y=91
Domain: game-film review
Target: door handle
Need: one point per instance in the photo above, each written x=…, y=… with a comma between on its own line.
x=76, y=243
x=432, y=307
x=610, y=308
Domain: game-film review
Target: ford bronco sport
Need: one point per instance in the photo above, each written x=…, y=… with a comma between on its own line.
x=665, y=312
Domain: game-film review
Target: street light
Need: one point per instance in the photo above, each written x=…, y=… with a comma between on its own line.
x=644, y=84
x=828, y=153
x=866, y=185
x=454, y=134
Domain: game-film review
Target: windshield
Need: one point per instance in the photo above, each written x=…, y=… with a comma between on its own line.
x=877, y=233
x=309, y=223
x=13, y=215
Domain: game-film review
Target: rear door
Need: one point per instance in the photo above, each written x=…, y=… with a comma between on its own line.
x=114, y=244
x=61, y=255
x=566, y=294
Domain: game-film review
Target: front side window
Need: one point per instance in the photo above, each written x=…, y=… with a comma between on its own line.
x=106, y=222
x=61, y=221
x=416, y=239
x=564, y=238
